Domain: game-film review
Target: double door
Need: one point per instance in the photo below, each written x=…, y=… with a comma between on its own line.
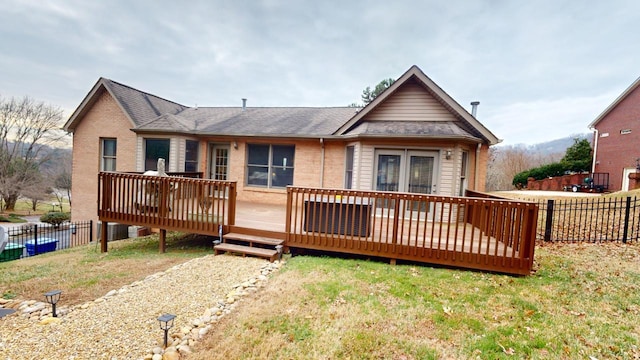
x=406, y=171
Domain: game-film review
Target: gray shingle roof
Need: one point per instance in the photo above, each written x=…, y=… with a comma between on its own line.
x=303, y=121
x=150, y=113
x=141, y=106
x=440, y=129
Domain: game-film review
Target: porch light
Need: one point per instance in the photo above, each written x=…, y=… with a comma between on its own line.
x=166, y=323
x=638, y=164
x=52, y=298
x=447, y=154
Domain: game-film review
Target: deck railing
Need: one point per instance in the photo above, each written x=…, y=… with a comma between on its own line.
x=480, y=233
x=166, y=202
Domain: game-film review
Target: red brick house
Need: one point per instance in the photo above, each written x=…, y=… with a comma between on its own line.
x=616, y=142
x=412, y=138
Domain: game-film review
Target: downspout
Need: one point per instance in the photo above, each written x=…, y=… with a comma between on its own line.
x=476, y=178
x=321, y=162
x=595, y=149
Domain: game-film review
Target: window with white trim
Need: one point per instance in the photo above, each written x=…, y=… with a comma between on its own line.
x=108, y=149
x=348, y=171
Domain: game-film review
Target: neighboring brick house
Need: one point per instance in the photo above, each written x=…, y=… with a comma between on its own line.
x=413, y=137
x=616, y=142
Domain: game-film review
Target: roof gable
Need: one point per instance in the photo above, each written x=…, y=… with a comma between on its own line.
x=138, y=106
x=377, y=109
x=616, y=102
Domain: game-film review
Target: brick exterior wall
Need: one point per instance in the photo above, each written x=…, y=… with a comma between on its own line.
x=616, y=151
x=103, y=120
x=482, y=169
x=556, y=183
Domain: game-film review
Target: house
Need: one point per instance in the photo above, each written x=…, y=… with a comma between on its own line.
x=412, y=138
x=616, y=139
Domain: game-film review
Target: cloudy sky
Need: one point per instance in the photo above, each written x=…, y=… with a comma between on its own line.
x=541, y=70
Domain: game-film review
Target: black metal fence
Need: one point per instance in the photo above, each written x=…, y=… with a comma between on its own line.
x=590, y=219
x=34, y=239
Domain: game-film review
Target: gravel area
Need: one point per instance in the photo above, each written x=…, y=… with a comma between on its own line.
x=123, y=324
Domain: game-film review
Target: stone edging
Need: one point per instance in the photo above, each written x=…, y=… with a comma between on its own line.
x=180, y=340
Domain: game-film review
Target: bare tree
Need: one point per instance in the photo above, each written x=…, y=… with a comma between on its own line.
x=26, y=127
x=507, y=161
x=37, y=192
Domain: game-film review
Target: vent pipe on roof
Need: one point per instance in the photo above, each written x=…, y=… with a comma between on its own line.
x=244, y=104
x=474, y=107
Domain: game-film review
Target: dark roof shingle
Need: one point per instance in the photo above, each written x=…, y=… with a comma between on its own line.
x=141, y=106
x=255, y=121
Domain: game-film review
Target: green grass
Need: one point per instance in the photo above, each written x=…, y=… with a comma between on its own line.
x=23, y=207
x=12, y=218
x=584, y=301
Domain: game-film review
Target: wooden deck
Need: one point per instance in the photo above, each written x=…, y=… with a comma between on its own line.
x=468, y=232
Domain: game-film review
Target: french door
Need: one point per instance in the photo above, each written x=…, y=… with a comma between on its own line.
x=406, y=171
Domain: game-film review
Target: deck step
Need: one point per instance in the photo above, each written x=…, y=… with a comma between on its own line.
x=252, y=239
x=272, y=255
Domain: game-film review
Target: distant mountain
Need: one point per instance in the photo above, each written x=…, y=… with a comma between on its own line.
x=558, y=146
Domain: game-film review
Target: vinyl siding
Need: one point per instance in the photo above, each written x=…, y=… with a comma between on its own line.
x=411, y=102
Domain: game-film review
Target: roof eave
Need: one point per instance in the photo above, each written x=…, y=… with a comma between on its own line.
x=88, y=101
x=413, y=136
x=615, y=103
x=234, y=135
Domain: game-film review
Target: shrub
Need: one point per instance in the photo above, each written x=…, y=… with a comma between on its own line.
x=55, y=218
x=545, y=171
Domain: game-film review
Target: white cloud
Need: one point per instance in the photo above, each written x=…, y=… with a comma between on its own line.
x=544, y=65
x=543, y=120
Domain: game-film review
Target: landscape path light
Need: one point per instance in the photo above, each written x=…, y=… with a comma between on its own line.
x=53, y=297
x=166, y=323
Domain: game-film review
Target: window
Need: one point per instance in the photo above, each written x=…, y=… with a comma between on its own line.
x=155, y=149
x=464, y=170
x=191, y=156
x=348, y=171
x=270, y=165
x=108, y=160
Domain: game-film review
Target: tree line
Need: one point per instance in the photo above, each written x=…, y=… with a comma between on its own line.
x=510, y=166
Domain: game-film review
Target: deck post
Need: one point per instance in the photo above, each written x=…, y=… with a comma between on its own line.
x=103, y=236
x=163, y=241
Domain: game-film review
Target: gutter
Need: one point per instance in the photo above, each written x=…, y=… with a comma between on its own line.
x=596, y=135
x=476, y=178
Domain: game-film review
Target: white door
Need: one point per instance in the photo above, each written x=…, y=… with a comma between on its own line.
x=218, y=162
x=625, y=178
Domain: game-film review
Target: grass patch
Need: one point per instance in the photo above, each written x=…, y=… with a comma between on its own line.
x=582, y=302
x=84, y=273
x=12, y=218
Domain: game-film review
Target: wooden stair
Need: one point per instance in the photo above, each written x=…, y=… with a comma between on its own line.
x=244, y=244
